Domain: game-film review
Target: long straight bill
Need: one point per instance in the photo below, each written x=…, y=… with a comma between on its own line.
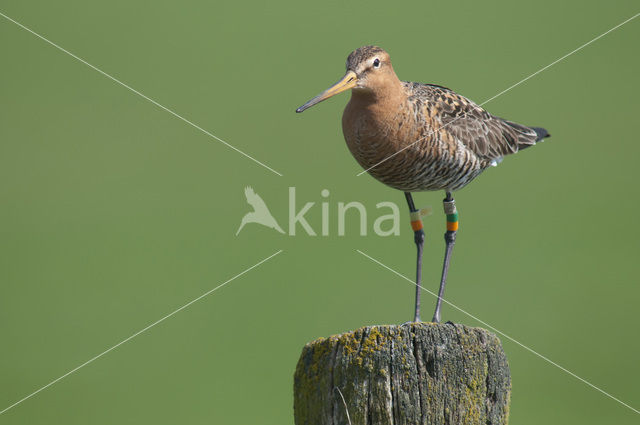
x=347, y=82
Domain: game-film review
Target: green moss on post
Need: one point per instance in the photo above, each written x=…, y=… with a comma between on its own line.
x=419, y=373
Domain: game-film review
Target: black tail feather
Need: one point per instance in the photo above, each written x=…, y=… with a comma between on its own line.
x=541, y=133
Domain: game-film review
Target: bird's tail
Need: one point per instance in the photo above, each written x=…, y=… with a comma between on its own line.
x=540, y=132
x=524, y=136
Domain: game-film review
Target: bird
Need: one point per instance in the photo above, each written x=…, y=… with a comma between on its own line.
x=260, y=213
x=417, y=137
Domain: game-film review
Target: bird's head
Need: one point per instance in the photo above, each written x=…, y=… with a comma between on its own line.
x=368, y=70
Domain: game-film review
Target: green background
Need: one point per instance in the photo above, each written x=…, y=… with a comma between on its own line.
x=115, y=213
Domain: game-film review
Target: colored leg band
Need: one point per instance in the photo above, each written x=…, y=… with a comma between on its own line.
x=449, y=206
x=452, y=215
x=416, y=225
x=416, y=220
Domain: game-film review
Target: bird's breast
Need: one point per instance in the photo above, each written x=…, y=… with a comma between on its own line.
x=402, y=147
x=373, y=132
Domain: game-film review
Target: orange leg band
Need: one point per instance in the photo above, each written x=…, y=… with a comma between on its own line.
x=416, y=225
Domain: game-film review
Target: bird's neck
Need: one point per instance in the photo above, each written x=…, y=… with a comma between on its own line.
x=383, y=99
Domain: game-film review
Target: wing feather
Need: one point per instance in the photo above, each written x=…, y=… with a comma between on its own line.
x=488, y=136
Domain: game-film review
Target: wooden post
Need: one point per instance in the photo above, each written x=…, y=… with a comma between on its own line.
x=417, y=373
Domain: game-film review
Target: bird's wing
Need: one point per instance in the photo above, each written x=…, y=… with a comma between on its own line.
x=488, y=136
x=254, y=199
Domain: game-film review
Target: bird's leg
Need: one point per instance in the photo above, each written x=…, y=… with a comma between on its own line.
x=416, y=225
x=450, y=239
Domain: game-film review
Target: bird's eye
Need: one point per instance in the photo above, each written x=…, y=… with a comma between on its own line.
x=376, y=63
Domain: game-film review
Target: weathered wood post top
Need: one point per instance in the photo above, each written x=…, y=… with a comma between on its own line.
x=417, y=373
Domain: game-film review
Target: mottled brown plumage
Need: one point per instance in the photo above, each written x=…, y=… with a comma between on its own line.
x=417, y=137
